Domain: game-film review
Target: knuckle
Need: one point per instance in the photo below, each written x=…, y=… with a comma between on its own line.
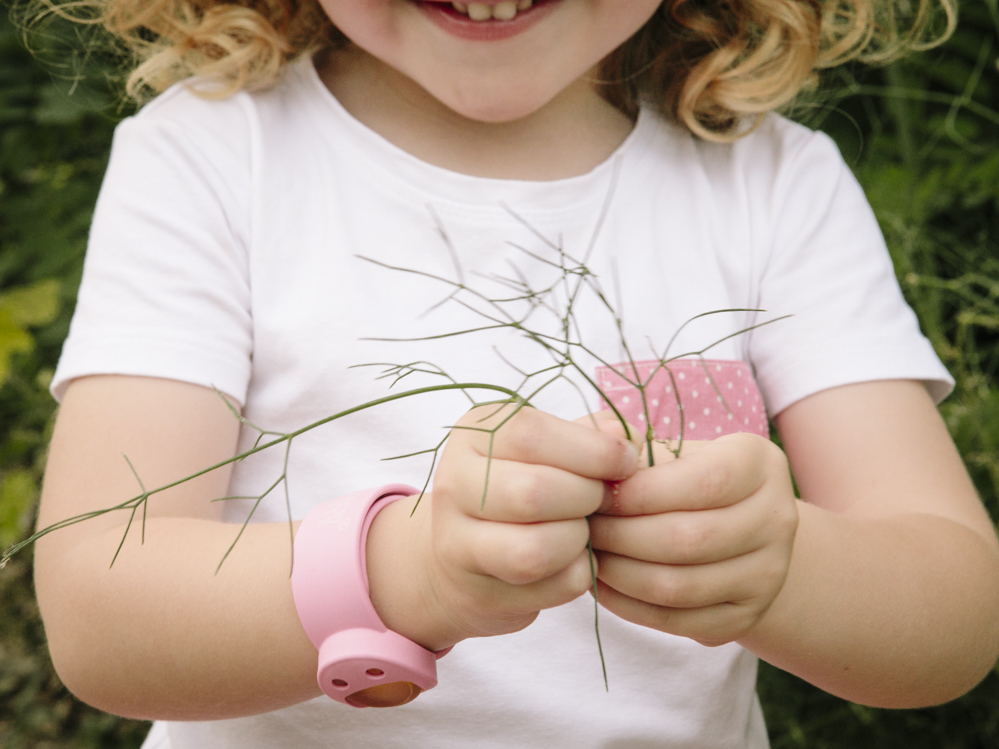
x=524, y=431
x=665, y=589
x=757, y=454
x=471, y=420
x=733, y=622
x=444, y=491
x=486, y=417
x=773, y=576
x=689, y=538
x=662, y=619
x=747, y=618
x=774, y=457
x=581, y=579
x=782, y=519
x=787, y=520
x=528, y=496
x=528, y=560
x=714, y=482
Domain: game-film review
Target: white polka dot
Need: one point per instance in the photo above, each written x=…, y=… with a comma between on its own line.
x=692, y=425
x=707, y=380
x=655, y=402
x=665, y=419
x=754, y=409
x=730, y=417
x=738, y=373
x=739, y=403
x=641, y=417
x=746, y=391
x=707, y=411
x=730, y=386
x=694, y=393
x=719, y=399
x=717, y=367
x=682, y=376
x=717, y=430
x=626, y=399
x=746, y=421
x=669, y=389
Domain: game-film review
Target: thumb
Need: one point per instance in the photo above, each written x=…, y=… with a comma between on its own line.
x=609, y=423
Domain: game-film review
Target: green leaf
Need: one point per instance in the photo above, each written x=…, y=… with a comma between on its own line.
x=36, y=304
x=14, y=339
x=18, y=491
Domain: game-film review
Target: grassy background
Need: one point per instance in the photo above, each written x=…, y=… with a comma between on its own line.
x=922, y=135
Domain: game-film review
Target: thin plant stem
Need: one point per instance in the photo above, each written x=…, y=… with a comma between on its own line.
x=596, y=612
x=559, y=299
x=135, y=502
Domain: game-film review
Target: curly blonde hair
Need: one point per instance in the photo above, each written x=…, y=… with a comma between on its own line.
x=714, y=65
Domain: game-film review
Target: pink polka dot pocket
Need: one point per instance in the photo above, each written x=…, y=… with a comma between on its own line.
x=708, y=397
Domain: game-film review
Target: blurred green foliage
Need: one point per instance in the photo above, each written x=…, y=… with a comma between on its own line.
x=53, y=150
x=922, y=135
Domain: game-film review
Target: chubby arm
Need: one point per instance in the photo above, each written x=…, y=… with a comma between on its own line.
x=160, y=635
x=881, y=585
x=892, y=596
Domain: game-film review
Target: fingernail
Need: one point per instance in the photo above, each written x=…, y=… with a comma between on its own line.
x=633, y=456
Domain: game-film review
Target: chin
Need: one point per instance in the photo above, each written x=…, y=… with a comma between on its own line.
x=494, y=107
x=494, y=113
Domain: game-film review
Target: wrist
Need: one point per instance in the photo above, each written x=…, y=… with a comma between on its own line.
x=362, y=662
x=400, y=576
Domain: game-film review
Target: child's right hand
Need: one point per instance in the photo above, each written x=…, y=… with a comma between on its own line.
x=168, y=638
x=463, y=568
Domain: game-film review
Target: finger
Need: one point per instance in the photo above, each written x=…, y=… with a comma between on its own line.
x=683, y=537
x=531, y=436
x=711, y=625
x=510, y=492
x=609, y=423
x=691, y=586
x=566, y=585
x=515, y=554
x=718, y=474
x=662, y=452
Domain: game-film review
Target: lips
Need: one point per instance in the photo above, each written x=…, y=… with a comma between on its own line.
x=486, y=21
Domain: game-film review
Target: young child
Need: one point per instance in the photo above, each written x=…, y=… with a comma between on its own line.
x=231, y=249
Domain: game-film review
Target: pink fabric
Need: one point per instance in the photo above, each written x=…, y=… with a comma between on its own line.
x=718, y=397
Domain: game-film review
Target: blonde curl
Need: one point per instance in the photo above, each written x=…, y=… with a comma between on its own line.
x=717, y=66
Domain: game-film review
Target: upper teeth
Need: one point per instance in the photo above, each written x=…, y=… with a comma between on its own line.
x=502, y=11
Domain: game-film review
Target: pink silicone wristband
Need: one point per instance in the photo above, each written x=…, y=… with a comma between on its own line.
x=329, y=582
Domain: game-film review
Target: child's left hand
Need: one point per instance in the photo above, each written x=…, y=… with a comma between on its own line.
x=698, y=546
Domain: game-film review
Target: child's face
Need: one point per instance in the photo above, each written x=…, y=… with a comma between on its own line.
x=492, y=70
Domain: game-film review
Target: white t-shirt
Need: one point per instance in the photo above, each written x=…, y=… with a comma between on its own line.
x=228, y=250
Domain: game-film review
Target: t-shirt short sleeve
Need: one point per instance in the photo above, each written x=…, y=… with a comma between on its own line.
x=827, y=268
x=165, y=289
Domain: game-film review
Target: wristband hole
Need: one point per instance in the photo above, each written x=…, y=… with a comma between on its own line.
x=375, y=672
x=385, y=695
x=339, y=683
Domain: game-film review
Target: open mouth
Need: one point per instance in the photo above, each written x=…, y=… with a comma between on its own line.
x=486, y=20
